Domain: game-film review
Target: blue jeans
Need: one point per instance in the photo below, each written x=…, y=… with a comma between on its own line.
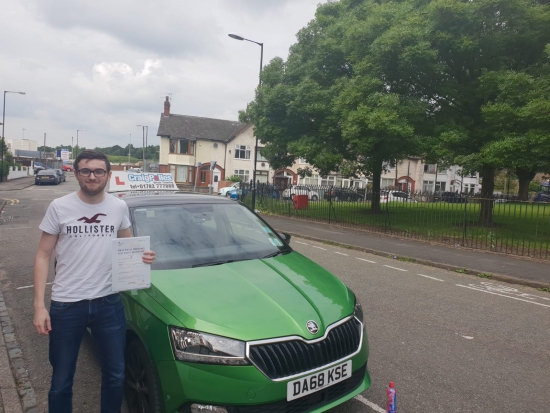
x=105, y=318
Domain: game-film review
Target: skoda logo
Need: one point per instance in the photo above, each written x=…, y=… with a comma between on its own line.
x=312, y=327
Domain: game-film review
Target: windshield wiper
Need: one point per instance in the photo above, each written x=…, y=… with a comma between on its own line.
x=274, y=254
x=208, y=264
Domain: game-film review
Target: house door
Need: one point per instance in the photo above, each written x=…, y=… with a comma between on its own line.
x=217, y=176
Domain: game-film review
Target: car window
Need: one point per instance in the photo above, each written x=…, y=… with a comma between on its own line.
x=189, y=235
x=45, y=172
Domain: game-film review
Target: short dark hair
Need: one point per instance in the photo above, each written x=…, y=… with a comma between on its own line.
x=91, y=154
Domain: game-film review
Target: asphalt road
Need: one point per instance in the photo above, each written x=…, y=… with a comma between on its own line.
x=451, y=342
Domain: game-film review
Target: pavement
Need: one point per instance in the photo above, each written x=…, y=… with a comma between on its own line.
x=15, y=184
x=507, y=268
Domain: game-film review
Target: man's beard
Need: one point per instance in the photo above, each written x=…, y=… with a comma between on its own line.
x=89, y=192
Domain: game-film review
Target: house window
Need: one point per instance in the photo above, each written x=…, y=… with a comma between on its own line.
x=182, y=146
x=260, y=157
x=203, y=176
x=430, y=169
x=469, y=188
x=427, y=186
x=262, y=176
x=302, y=161
x=242, y=152
x=181, y=173
x=440, y=186
x=328, y=180
x=310, y=180
x=387, y=182
x=243, y=174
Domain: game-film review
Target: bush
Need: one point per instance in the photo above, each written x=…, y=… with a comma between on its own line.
x=534, y=186
x=233, y=178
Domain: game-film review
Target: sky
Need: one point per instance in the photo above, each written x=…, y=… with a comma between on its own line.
x=103, y=67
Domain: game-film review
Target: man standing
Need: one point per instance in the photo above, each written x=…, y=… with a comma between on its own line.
x=79, y=227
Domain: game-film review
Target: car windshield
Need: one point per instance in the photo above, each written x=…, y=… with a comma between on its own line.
x=46, y=172
x=193, y=235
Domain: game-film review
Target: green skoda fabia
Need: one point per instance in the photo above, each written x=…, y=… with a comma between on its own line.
x=235, y=321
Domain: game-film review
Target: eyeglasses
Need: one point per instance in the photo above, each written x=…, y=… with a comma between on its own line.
x=98, y=173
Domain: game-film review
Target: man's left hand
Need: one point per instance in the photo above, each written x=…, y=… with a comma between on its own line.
x=149, y=257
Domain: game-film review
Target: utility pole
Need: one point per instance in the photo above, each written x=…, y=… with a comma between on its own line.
x=44, y=150
x=144, y=144
x=129, y=146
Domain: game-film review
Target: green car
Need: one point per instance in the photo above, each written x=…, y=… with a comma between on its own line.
x=235, y=321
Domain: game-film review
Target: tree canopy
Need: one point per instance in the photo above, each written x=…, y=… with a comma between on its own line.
x=371, y=81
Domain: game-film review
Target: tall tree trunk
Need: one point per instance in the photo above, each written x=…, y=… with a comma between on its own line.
x=525, y=176
x=487, y=189
x=376, y=176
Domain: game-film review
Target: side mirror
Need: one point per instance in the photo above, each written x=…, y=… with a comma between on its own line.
x=285, y=236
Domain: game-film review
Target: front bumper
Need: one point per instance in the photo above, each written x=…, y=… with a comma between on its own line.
x=244, y=389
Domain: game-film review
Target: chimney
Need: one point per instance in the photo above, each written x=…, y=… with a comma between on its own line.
x=167, y=107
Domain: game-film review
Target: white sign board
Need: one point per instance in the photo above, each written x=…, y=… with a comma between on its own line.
x=65, y=155
x=141, y=181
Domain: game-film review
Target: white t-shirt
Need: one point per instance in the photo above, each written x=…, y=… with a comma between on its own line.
x=83, y=249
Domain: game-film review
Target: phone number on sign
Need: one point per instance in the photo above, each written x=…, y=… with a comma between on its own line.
x=152, y=186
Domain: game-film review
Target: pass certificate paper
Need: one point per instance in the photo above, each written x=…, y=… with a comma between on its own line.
x=129, y=271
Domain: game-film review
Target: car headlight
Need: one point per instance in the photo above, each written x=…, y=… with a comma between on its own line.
x=358, y=311
x=200, y=347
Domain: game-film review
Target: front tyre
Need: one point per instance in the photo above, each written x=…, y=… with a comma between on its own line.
x=314, y=198
x=141, y=386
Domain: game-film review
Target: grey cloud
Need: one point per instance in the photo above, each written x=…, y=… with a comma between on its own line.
x=165, y=28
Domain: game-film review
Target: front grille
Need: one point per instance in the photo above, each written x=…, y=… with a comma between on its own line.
x=288, y=358
x=309, y=402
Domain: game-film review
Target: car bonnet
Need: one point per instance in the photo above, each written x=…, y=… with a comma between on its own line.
x=254, y=299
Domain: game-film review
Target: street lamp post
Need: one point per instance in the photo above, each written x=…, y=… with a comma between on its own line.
x=78, y=130
x=3, y=140
x=129, y=147
x=237, y=37
x=144, y=143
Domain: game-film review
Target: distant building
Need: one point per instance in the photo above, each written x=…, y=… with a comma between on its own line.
x=413, y=175
x=21, y=144
x=189, y=145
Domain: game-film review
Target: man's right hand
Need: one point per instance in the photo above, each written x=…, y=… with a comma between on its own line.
x=42, y=321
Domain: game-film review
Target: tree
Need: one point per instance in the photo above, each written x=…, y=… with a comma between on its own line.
x=439, y=53
x=328, y=106
x=8, y=159
x=519, y=112
x=362, y=65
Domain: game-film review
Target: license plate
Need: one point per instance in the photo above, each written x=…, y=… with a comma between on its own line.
x=317, y=381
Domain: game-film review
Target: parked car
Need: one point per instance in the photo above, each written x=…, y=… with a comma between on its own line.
x=235, y=320
x=451, y=197
x=233, y=193
x=399, y=196
x=46, y=176
x=39, y=166
x=224, y=191
x=68, y=167
x=61, y=173
x=543, y=194
x=343, y=194
x=288, y=193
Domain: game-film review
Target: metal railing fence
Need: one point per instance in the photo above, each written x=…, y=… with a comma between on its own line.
x=497, y=224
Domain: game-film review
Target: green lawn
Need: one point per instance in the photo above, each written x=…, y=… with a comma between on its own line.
x=518, y=228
